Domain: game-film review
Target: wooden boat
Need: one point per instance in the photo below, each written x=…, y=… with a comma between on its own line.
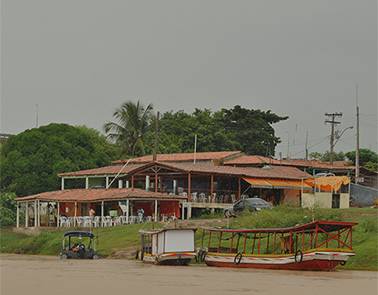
x=167, y=246
x=319, y=245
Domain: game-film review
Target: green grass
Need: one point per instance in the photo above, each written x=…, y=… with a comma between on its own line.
x=125, y=238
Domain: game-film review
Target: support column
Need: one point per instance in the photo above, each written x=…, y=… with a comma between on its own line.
x=62, y=184
x=211, y=185
x=132, y=181
x=189, y=186
x=156, y=211
x=156, y=182
x=147, y=183
x=107, y=182
x=26, y=214
x=38, y=213
x=75, y=213
x=18, y=215
x=120, y=183
x=87, y=182
x=58, y=215
x=174, y=186
x=182, y=210
x=102, y=214
x=189, y=211
x=127, y=211
x=35, y=213
x=127, y=184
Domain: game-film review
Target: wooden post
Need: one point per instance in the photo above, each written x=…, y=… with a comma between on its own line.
x=38, y=214
x=26, y=214
x=132, y=182
x=147, y=183
x=35, y=213
x=18, y=215
x=58, y=215
x=239, y=188
x=62, y=184
x=127, y=210
x=189, y=187
x=120, y=183
x=107, y=182
x=75, y=213
x=182, y=211
x=156, y=211
x=189, y=211
x=127, y=184
x=102, y=213
x=87, y=183
x=156, y=182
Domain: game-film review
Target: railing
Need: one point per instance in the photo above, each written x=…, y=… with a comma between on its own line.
x=108, y=221
x=204, y=196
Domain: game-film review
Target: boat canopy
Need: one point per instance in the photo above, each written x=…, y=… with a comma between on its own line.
x=323, y=225
x=156, y=231
x=79, y=234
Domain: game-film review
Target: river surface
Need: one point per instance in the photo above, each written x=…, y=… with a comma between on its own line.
x=21, y=274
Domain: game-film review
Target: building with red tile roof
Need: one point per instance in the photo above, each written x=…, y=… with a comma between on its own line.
x=214, y=157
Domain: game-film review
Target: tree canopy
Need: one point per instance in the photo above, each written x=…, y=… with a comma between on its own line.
x=31, y=160
x=248, y=130
x=367, y=159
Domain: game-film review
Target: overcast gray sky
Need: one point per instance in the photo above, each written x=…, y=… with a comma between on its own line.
x=80, y=59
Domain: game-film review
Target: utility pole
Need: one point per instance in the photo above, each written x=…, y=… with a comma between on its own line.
x=331, y=120
x=357, y=173
x=306, y=147
x=154, y=157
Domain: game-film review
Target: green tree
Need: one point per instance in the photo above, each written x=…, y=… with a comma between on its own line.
x=130, y=128
x=31, y=160
x=235, y=129
x=368, y=158
x=7, y=209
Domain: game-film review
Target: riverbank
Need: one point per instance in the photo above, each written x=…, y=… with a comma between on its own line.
x=42, y=275
x=122, y=242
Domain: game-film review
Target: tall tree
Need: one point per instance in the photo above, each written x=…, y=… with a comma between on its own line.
x=238, y=128
x=31, y=160
x=130, y=128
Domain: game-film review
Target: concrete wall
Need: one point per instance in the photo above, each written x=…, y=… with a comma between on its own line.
x=344, y=200
x=323, y=200
x=362, y=196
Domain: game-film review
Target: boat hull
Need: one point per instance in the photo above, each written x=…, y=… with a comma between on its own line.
x=170, y=258
x=316, y=261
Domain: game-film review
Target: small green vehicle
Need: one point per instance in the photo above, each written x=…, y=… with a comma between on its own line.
x=78, y=245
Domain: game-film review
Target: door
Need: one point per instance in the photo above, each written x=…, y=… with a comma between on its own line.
x=335, y=200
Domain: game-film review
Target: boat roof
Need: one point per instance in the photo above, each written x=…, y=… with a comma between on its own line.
x=323, y=225
x=156, y=231
x=78, y=234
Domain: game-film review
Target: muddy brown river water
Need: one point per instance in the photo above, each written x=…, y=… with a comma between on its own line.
x=48, y=275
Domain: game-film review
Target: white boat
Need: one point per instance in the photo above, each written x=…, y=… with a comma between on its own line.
x=167, y=246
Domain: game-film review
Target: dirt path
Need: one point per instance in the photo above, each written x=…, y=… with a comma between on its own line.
x=48, y=275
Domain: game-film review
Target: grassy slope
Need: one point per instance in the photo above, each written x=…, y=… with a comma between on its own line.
x=126, y=238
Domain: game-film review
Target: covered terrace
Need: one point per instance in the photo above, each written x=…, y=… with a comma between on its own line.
x=97, y=207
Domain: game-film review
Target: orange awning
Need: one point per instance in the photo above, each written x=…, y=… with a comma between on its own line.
x=328, y=183
x=277, y=183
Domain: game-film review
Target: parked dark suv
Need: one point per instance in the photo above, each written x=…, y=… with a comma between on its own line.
x=250, y=204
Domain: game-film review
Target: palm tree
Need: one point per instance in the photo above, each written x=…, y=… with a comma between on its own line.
x=130, y=128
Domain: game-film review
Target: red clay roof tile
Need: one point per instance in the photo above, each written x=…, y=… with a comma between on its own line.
x=96, y=195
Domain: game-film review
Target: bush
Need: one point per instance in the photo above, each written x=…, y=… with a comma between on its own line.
x=7, y=209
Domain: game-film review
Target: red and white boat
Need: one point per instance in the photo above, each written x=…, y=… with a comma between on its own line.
x=319, y=245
